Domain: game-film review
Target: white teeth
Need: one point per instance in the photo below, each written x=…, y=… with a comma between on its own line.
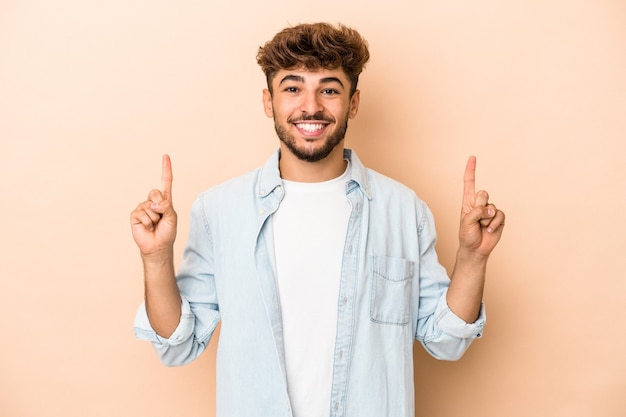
x=310, y=127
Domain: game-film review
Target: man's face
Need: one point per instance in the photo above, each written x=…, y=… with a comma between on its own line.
x=310, y=110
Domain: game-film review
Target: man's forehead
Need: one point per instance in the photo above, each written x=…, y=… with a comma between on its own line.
x=304, y=75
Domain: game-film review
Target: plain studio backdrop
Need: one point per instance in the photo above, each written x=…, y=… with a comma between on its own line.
x=93, y=93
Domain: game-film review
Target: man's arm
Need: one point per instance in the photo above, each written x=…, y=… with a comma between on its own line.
x=480, y=231
x=153, y=225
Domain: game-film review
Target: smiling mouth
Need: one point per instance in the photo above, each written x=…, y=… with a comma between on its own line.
x=309, y=127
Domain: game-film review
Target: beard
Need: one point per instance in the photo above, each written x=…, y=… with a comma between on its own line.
x=315, y=154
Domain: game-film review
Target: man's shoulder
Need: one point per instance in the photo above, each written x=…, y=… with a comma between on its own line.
x=375, y=183
x=384, y=185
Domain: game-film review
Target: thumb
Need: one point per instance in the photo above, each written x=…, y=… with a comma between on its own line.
x=159, y=202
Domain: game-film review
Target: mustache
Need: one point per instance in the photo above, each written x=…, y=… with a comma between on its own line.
x=319, y=117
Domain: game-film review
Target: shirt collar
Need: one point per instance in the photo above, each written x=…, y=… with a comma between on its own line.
x=269, y=177
x=358, y=173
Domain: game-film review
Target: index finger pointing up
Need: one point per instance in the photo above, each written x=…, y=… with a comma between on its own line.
x=166, y=176
x=469, y=184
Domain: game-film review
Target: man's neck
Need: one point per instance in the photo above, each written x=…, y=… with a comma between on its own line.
x=295, y=169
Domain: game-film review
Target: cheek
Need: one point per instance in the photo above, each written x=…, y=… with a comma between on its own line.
x=283, y=112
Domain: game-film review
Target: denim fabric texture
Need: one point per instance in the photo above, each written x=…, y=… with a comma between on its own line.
x=392, y=292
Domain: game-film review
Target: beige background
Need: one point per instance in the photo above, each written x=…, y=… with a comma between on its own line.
x=92, y=93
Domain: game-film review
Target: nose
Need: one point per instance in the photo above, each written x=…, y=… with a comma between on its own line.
x=311, y=103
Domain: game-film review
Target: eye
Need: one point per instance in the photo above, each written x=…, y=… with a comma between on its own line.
x=329, y=91
x=291, y=89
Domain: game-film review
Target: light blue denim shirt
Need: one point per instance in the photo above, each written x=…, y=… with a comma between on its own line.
x=392, y=292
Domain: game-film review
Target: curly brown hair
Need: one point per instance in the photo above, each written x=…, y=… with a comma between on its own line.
x=314, y=46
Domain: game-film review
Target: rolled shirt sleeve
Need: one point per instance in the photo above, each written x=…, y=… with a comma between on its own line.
x=450, y=335
x=184, y=330
x=453, y=325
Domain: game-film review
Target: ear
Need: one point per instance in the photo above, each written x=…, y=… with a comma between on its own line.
x=354, y=104
x=267, y=103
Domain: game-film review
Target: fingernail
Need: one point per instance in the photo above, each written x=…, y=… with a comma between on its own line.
x=490, y=212
x=154, y=206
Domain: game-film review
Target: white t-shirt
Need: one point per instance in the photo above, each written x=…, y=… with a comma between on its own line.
x=309, y=234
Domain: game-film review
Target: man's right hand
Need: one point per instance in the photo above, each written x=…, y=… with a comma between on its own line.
x=153, y=222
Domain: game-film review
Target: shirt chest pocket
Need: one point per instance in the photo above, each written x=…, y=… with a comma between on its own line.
x=390, y=297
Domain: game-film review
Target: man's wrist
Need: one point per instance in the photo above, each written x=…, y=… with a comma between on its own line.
x=471, y=258
x=159, y=259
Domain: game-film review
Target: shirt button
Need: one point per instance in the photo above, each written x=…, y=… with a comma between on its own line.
x=261, y=211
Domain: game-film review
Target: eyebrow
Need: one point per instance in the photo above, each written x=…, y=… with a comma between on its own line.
x=300, y=79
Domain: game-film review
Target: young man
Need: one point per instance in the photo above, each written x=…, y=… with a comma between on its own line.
x=322, y=272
